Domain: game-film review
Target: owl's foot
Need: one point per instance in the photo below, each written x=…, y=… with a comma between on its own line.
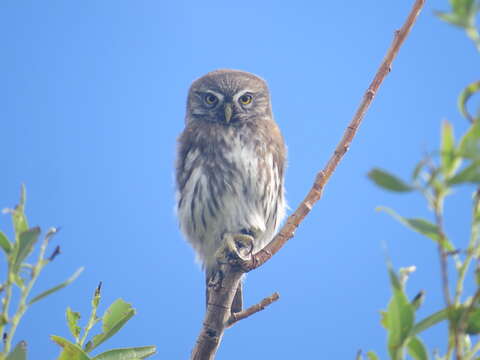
x=237, y=248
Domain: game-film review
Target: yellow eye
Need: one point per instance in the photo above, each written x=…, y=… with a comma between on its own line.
x=210, y=99
x=246, y=99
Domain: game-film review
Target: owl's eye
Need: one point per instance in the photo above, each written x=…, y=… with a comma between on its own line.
x=210, y=99
x=246, y=99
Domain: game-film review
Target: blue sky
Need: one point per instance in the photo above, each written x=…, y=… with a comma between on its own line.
x=93, y=99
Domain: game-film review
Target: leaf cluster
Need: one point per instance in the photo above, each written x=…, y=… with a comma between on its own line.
x=436, y=176
x=113, y=319
x=21, y=275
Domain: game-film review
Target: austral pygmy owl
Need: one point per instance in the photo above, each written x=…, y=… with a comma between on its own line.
x=230, y=164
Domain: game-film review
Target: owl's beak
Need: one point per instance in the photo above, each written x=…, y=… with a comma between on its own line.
x=228, y=112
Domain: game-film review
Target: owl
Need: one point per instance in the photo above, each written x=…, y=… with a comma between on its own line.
x=230, y=164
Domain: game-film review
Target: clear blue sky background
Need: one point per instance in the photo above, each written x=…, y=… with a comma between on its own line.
x=92, y=100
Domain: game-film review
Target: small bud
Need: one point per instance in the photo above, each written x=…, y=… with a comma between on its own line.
x=418, y=299
x=96, y=295
x=97, y=290
x=55, y=253
x=405, y=273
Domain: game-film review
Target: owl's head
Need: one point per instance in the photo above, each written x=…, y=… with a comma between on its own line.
x=228, y=97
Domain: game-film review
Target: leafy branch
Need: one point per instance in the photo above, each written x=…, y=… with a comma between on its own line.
x=21, y=275
x=435, y=177
x=113, y=319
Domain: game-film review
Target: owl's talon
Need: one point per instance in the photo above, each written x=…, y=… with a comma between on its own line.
x=236, y=250
x=244, y=244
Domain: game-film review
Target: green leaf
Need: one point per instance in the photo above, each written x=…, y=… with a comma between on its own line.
x=429, y=321
x=19, y=353
x=470, y=174
x=463, y=13
x=5, y=243
x=127, y=354
x=24, y=247
x=395, y=282
x=462, y=7
x=469, y=146
x=56, y=288
x=388, y=181
x=458, y=317
x=473, y=322
x=72, y=322
x=469, y=322
x=114, y=318
x=400, y=318
x=69, y=351
x=450, y=161
x=466, y=8
x=465, y=95
x=416, y=349
x=371, y=355
x=20, y=223
x=452, y=19
x=421, y=226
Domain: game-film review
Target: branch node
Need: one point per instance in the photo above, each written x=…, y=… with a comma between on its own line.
x=308, y=205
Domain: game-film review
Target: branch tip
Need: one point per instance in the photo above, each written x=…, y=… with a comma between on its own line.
x=235, y=317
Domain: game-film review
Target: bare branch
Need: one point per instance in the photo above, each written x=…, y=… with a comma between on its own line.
x=235, y=317
x=315, y=193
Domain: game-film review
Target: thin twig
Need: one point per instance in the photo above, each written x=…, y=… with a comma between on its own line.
x=472, y=245
x=235, y=317
x=324, y=175
x=220, y=299
x=443, y=257
x=25, y=292
x=443, y=260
